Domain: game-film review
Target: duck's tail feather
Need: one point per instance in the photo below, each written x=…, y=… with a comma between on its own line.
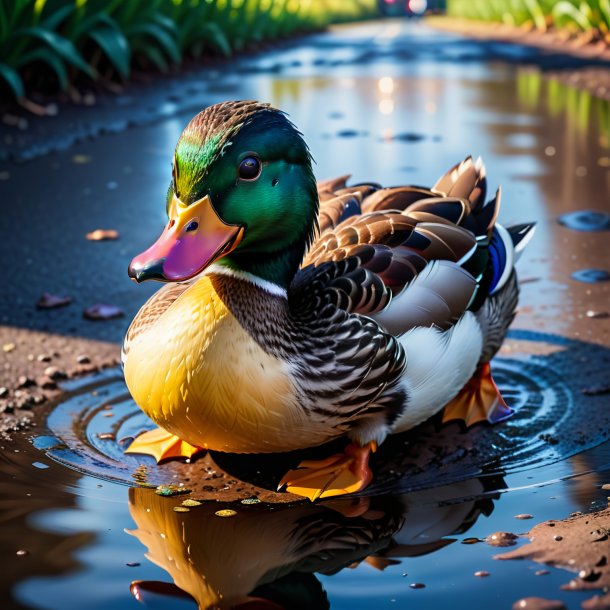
x=521, y=235
x=505, y=247
x=465, y=180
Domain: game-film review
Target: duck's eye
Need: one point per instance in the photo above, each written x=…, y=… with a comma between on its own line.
x=250, y=168
x=192, y=226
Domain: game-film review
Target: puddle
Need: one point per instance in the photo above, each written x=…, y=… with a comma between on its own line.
x=591, y=276
x=553, y=420
x=410, y=111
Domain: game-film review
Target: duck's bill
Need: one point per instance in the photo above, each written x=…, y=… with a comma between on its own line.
x=193, y=239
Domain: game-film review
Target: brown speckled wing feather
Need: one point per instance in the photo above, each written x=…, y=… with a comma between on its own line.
x=398, y=257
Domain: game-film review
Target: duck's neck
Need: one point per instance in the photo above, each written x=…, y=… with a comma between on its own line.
x=267, y=286
x=272, y=268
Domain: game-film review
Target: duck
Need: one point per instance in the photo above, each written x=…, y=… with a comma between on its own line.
x=295, y=313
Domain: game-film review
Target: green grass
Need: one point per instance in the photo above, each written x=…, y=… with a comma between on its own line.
x=48, y=44
x=576, y=16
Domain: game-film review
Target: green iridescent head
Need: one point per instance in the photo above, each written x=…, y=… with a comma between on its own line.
x=242, y=194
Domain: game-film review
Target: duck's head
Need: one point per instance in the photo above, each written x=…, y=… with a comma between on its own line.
x=242, y=194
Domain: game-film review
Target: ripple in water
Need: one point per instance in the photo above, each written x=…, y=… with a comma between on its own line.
x=542, y=380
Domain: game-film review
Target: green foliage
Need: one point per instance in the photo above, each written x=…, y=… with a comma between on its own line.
x=53, y=42
x=591, y=16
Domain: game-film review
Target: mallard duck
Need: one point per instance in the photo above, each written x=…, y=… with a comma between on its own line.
x=297, y=313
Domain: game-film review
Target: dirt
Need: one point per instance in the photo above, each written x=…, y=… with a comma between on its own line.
x=580, y=544
x=35, y=363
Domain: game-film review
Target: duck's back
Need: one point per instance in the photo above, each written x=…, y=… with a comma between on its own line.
x=431, y=266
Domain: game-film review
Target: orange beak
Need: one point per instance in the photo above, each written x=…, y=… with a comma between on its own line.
x=193, y=239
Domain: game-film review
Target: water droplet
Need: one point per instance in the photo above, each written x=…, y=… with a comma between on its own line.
x=586, y=220
x=523, y=516
x=481, y=574
x=132, y=564
x=181, y=509
x=22, y=553
x=417, y=585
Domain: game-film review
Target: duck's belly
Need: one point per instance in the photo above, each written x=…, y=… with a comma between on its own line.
x=197, y=373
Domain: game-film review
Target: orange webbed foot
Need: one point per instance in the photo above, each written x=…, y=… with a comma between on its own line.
x=337, y=475
x=478, y=401
x=162, y=445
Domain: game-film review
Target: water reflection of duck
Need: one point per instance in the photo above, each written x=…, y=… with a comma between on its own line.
x=402, y=298
x=269, y=553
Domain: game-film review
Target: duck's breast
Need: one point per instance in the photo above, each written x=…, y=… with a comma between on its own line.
x=199, y=374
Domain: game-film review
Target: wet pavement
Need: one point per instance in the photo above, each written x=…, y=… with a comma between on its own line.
x=391, y=102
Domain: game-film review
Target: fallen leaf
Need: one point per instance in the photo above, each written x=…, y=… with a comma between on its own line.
x=102, y=235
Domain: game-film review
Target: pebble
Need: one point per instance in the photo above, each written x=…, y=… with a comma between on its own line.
x=558, y=538
x=46, y=383
x=54, y=373
x=101, y=311
x=8, y=347
x=3, y=392
x=538, y=603
x=181, y=509
x=132, y=564
x=22, y=553
x=43, y=358
x=597, y=315
x=83, y=359
x=470, y=540
x=50, y=301
x=589, y=575
x=502, y=539
x=524, y=516
x=25, y=382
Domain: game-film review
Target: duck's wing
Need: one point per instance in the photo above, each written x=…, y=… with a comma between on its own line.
x=409, y=256
x=151, y=311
